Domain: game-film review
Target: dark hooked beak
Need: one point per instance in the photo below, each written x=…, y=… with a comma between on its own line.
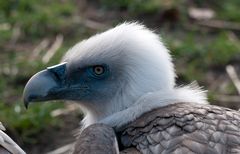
x=45, y=85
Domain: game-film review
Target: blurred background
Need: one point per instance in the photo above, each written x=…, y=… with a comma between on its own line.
x=203, y=36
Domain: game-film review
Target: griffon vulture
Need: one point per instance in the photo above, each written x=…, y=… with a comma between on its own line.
x=125, y=78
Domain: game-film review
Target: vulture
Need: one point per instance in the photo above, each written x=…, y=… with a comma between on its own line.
x=124, y=78
x=7, y=145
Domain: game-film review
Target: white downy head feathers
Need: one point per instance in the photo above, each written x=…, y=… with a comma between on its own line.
x=146, y=78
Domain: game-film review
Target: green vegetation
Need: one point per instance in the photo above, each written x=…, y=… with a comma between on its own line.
x=202, y=51
x=35, y=20
x=229, y=10
x=133, y=6
x=34, y=120
x=24, y=24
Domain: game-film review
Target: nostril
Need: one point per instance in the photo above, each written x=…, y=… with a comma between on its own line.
x=58, y=70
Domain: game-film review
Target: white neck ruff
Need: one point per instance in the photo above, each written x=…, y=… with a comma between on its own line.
x=153, y=100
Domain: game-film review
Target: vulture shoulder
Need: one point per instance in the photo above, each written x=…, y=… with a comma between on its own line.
x=184, y=128
x=97, y=139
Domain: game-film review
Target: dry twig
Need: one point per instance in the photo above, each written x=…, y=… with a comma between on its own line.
x=91, y=24
x=94, y=25
x=62, y=150
x=220, y=24
x=4, y=26
x=201, y=13
x=53, y=49
x=37, y=50
x=15, y=34
x=227, y=99
x=233, y=76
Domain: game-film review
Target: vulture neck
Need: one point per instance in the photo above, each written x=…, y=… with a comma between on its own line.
x=117, y=114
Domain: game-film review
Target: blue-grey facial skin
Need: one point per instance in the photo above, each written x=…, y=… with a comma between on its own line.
x=77, y=84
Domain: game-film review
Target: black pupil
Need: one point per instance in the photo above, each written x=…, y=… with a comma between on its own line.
x=98, y=70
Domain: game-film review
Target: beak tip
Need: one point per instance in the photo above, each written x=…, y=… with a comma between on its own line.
x=26, y=106
x=26, y=102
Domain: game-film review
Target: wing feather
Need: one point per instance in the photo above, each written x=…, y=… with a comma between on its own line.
x=7, y=144
x=185, y=128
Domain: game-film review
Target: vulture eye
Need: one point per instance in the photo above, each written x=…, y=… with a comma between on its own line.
x=98, y=70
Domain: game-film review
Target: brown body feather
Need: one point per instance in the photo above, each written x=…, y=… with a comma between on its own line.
x=97, y=139
x=177, y=128
x=185, y=128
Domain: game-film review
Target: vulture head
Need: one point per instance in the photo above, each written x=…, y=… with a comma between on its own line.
x=115, y=76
